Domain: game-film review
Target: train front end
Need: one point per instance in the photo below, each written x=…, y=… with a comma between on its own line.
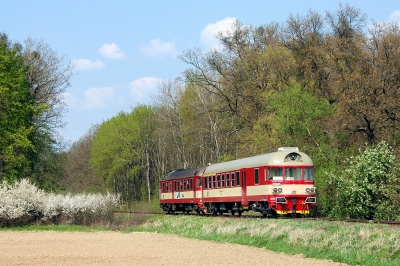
x=291, y=189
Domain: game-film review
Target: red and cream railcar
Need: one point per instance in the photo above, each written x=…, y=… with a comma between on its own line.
x=180, y=190
x=277, y=183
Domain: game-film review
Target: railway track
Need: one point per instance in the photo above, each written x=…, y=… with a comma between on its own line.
x=246, y=216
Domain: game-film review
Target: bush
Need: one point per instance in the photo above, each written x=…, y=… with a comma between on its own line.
x=369, y=187
x=23, y=203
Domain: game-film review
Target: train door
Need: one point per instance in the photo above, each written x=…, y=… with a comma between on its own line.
x=170, y=190
x=199, y=191
x=243, y=185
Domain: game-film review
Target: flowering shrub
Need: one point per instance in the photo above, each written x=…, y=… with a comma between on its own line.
x=369, y=187
x=23, y=203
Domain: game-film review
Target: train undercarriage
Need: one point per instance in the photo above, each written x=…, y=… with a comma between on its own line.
x=221, y=208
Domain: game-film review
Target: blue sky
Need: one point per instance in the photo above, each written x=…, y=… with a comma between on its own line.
x=123, y=49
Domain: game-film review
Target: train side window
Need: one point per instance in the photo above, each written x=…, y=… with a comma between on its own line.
x=214, y=178
x=222, y=180
x=237, y=179
x=218, y=180
x=275, y=174
x=309, y=174
x=256, y=176
x=200, y=182
x=191, y=184
x=228, y=180
x=233, y=178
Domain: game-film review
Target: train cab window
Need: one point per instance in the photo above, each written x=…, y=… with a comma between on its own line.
x=293, y=174
x=256, y=176
x=308, y=174
x=275, y=174
x=222, y=180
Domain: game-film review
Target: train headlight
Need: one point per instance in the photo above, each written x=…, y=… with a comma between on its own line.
x=275, y=190
x=310, y=190
x=280, y=190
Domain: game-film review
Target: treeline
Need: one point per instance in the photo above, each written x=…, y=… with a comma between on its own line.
x=32, y=80
x=325, y=83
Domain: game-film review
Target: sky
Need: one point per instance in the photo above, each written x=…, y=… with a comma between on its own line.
x=122, y=50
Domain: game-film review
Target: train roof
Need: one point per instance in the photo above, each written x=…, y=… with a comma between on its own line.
x=283, y=157
x=184, y=173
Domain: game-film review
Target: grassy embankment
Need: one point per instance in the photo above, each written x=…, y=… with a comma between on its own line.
x=354, y=244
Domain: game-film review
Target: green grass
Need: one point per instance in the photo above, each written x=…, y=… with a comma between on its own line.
x=354, y=244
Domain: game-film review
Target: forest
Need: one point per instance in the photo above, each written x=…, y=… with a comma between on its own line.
x=326, y=83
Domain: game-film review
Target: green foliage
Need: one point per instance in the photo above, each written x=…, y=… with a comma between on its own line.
x=16, y=111
x=298, y=116
x=119, y=150
x=368, y=187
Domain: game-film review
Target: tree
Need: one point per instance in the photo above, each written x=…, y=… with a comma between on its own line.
x=16, y=111
x=298, y=117
x=79, y=176
x=368, y=187
x=121, y=151
x=48, y=76
x=251, y=66
x=346, y=22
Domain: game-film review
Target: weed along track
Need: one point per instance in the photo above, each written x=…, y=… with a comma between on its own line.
x=257, y=216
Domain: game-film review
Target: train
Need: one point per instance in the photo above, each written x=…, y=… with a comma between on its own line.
x=275, y=184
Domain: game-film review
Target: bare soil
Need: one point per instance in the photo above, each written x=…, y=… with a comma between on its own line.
x=115, y=248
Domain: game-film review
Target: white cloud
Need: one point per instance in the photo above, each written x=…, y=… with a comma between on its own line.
x=85, y=64
x=111, y=51
x=395, y=16
x=157, y=48
x=142, y=88
x=70, y=99
x=208, y=34
x=98, y=97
